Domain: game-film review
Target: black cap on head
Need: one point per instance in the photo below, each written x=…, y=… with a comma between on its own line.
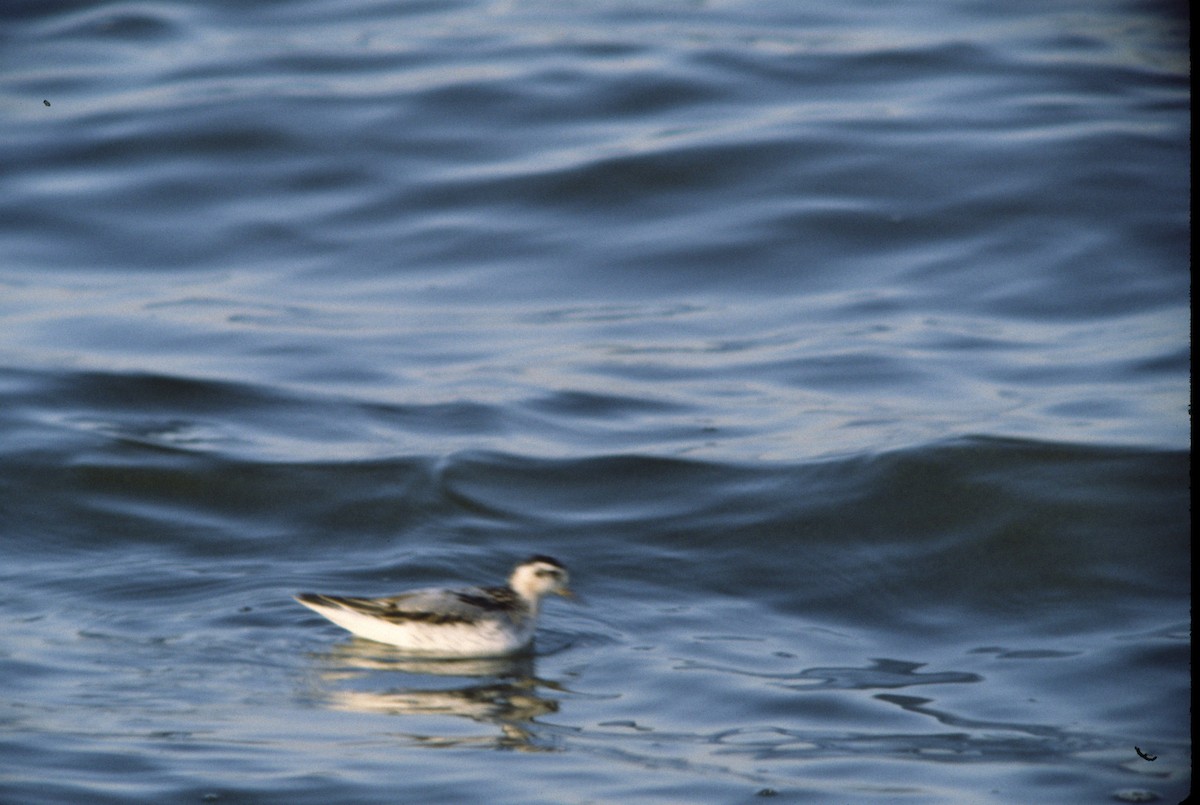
x=549, y=560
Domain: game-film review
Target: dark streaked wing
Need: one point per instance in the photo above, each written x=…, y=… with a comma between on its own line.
x=427, y=606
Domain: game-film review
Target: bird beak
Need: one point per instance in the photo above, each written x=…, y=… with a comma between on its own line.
x=569, y=594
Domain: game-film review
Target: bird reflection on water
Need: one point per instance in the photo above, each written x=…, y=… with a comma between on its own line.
x=500, y=691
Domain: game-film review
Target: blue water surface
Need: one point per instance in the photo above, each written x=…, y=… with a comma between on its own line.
x=841, y=350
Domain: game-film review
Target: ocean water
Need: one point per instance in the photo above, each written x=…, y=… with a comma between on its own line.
x=841, y=350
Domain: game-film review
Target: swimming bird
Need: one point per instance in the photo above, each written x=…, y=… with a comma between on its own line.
x=439, y=622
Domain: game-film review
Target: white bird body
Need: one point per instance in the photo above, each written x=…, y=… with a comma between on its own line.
x=437, y=622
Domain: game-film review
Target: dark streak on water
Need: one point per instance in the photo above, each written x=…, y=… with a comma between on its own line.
x=841, y=351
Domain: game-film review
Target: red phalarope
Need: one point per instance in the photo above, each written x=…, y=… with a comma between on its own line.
x=437, y=622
